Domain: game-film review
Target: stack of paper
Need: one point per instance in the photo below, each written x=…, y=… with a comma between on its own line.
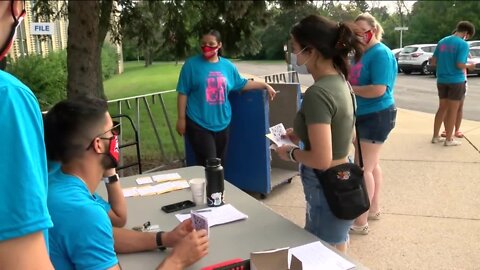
x=166, y=177
x=317, y=256
x=155, y=189
x=217, y=215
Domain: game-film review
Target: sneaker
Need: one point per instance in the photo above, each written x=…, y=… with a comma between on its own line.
x=363, y=230
x=452, y=143
x=374, y=216
x=437, y=139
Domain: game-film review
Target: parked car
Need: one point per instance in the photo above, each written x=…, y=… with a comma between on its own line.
x=474, y=57
x=473, y=43
x=415, y=58
x=396, y=52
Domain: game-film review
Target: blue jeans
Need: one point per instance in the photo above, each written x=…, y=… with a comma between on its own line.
x=319, y=220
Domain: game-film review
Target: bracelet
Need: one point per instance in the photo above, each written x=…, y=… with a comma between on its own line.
x=291, y=154
x=159, y=241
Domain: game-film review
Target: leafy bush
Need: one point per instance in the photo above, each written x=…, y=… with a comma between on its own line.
x=109, y=61
x=45, y=76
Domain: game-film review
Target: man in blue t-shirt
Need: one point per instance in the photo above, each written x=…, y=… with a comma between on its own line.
x=450, y=58
x=23, y=166
x=80, y=134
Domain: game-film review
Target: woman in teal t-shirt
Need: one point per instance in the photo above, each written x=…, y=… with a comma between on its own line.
x=373, y=79
x=204, y=111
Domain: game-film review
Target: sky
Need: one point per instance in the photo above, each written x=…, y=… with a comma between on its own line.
x=391, y=5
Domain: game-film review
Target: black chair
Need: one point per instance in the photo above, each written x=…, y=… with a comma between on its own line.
x=135, y=143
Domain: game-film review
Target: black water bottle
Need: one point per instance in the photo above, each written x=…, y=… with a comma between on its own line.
x=214, y=177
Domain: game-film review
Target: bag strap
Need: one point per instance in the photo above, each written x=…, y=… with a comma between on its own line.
x=355, y=123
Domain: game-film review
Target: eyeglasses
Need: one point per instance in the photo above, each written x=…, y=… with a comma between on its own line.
x=115, y=131
x=17, y=20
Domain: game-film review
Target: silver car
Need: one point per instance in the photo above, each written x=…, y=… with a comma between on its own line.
x=415, y=58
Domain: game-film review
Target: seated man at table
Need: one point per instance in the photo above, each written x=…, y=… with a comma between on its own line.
x=80, y=134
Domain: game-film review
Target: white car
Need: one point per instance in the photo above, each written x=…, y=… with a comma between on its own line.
x=415, y=58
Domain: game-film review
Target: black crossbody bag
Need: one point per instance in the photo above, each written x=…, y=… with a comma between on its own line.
x=344, y=184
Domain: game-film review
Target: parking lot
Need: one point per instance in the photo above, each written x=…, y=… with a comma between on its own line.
x=418, y=92
x=414, y=92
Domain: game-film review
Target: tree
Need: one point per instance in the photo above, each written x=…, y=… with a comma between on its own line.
x=89, y=22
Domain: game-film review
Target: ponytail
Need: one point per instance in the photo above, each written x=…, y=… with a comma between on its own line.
x=348, y=42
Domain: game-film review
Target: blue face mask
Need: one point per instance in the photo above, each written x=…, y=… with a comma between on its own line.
x=302, y=69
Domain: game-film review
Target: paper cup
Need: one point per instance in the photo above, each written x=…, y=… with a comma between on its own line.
x=197, y=185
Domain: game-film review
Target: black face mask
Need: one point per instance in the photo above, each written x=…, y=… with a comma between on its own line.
x=17, y=20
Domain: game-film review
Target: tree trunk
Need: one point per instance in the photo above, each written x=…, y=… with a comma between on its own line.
x=106, y=7
x=82, y=49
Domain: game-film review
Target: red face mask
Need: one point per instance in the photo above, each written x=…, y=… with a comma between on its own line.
x=368, y=36
x=17, y=21
x=209, y=52
x=113, y=151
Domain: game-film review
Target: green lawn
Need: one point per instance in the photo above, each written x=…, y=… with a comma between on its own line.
x=138, y=80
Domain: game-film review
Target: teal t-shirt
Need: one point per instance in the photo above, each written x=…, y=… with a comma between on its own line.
x=450, y=51
x=207, y=86
x=82, y=237
x=53, y=166
x=23, y=162
x=376, y=67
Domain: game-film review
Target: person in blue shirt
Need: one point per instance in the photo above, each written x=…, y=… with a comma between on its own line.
x=23, y=166
x=450, y=58
x=204, y=111
x=373, y=81
x=80, y=134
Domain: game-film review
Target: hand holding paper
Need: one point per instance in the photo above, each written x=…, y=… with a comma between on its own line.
x=278, y=136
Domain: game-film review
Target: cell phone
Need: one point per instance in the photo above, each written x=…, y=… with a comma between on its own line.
x=178, y=206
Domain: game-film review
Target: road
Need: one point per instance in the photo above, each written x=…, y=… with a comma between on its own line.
x=414, y=92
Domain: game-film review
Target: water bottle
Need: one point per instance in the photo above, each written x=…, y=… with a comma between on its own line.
x=214, y=177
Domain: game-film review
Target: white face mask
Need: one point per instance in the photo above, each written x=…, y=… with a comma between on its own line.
x=299, y=69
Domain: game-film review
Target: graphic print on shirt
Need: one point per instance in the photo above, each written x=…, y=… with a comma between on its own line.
x=355, y=72
x=216, y=85
x=448, y=48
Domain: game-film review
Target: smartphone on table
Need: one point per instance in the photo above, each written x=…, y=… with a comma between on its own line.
x=178, y=206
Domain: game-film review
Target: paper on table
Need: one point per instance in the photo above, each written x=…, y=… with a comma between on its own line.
x=317, y=256
x=166, y=177
x=147, y=190
x=130, y=192
x=218, y=215
x=275, y=135
x=144, y=180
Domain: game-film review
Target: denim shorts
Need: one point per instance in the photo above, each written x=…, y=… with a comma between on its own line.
x=375, y=127
x=319, y=220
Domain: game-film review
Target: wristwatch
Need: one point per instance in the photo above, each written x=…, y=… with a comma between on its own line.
x=160, y=245
x=111, y=179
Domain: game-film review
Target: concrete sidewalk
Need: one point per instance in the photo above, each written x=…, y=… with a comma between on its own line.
x=430, y=201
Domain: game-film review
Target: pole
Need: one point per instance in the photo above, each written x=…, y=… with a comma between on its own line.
x=401, y=38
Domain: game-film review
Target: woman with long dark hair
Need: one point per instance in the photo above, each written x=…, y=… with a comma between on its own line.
x=326, y=119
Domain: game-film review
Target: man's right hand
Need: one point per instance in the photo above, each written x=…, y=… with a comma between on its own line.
x=181, y=123
x=189, y=250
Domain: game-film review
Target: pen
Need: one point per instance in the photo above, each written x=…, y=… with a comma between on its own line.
x=197, y=211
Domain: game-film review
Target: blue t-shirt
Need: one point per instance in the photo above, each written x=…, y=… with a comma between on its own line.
x=207, y=86
x=450, y=51
x=53, y=166
x=376, y=67
x=82, y=237
x=23, y=162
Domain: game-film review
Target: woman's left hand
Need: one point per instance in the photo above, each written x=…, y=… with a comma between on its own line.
x=283, y=151
x=271, y=91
